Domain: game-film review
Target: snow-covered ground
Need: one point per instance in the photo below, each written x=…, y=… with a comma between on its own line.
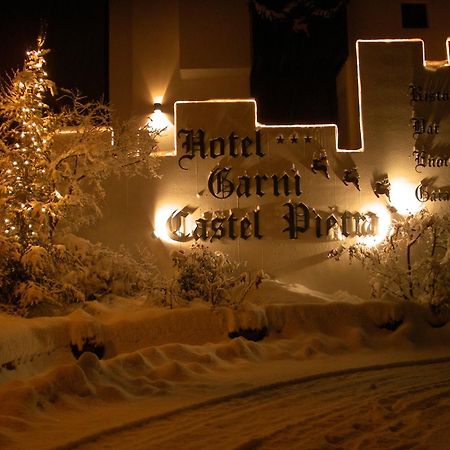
x=325, y=373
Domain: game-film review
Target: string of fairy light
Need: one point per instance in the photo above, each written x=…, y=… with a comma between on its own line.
x=30, y=137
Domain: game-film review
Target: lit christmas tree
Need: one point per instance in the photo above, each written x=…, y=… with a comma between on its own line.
x=27, y=130
x=53, y=164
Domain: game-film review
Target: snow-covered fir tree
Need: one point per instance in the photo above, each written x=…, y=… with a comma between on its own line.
x=53, y=162
x=27, y=131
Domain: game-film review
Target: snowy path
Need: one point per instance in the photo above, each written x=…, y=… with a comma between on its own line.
x=326, y=376
x=398, y=407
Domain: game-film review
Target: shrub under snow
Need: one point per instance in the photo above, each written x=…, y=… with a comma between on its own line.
x=412, y=263
x=211, y=276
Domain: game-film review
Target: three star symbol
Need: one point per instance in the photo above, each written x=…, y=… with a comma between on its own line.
x=293, y=138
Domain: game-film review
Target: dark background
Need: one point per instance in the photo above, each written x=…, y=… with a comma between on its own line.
x=295, y=56
x=76, y=33
x=298, y=48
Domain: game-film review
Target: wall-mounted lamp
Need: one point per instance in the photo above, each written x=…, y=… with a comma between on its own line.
x=158, y=120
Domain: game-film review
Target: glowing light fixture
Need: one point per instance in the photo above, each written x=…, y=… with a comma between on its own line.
x=384, y=221
x=162, y=215
x=403, y=197
x=159, y=120
x=160, y=221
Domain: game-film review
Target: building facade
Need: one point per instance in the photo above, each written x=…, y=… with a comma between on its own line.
x=280, y=197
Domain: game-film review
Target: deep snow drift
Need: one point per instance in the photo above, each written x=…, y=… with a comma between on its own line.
x=137, y=361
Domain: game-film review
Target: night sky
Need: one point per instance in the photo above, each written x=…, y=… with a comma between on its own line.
x=76, y=32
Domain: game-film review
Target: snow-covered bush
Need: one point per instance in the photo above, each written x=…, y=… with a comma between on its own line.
x=53, y=164
x=211, y=276
x=97, y=270
x=72, y=272
x=412, y=263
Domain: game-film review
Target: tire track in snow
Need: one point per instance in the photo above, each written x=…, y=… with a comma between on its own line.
x=380, y=406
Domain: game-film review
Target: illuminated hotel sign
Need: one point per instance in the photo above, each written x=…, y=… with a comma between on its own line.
x=280, y=196
x=254, y=182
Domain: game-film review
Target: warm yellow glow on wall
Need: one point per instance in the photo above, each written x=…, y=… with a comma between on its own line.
x=403, y=197
x=163, y=123
x=160, y=121
x=162, y=214
x=447, y=45
x=383, y=225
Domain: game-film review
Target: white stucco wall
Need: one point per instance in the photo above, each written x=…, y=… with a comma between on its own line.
x=148, y=62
